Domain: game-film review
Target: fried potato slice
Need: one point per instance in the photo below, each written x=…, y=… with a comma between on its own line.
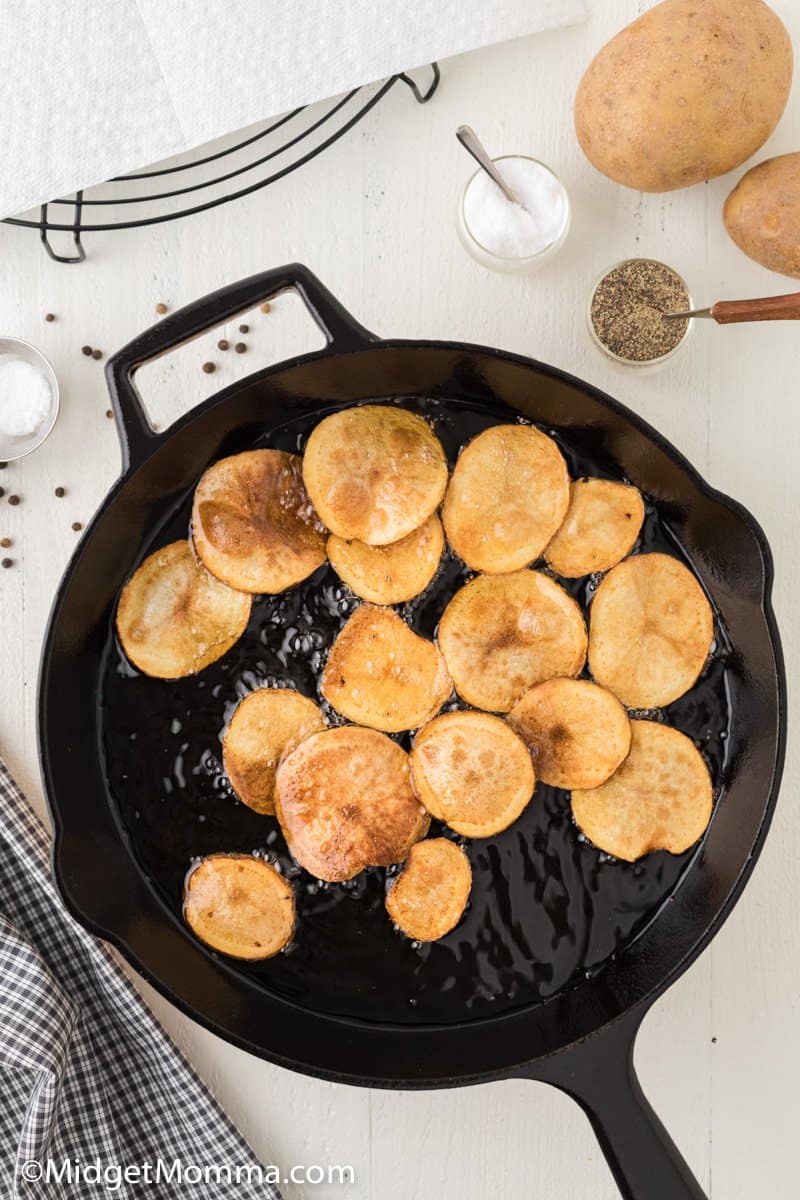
x=253, y=524
x=502, y=634
x=507, y=497
x=659, y=799
x=578, y=733
x=601, y=526
x=374, y=472
x=266, y=725
x=381, y=674
x=650, y=631
x=174, y=617
x=428, y=897
x=473, y=772
x=239, y=905
x=389, y=574
x=345, y=802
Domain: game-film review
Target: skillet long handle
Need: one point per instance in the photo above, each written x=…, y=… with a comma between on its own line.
x=137, y=436
x=599, y=1074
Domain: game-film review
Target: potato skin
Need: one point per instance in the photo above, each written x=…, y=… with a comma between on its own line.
x=762, y=214
x=686, y=92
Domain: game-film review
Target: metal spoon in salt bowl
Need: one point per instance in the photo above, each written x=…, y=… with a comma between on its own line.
x=731, y=312
x=474, y=146
x=514, y=212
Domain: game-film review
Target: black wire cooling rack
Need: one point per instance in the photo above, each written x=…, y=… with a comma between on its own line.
x=214, y=174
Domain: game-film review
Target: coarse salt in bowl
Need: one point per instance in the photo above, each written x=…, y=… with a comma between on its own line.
x=29, y=398
x=505, y=236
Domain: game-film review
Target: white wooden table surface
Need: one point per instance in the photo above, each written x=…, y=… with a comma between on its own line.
x=720, y=1054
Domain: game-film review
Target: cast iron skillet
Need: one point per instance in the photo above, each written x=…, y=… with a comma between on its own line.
x=581, y=1039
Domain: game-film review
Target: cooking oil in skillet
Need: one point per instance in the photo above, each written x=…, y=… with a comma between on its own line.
x=546, y=909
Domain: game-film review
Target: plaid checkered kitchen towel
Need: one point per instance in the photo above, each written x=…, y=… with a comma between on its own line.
x=86, y=1071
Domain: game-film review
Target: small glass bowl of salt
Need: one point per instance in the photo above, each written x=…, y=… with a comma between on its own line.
x=29, y=399
x=505, y=236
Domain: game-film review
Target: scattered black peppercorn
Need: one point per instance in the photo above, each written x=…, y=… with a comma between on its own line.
x=76, y=525
x=8, y=562
x=13, y=499
x=5, y=542
x=109, y=414
x=223, y=344
x=2, y=493
x=209, y=368
x=244, y=329
x=87, y=350
x=240, y=347
x=266, y=306
x=161, y=307
x=49, y=316
x=97, y=354
x=60, y=491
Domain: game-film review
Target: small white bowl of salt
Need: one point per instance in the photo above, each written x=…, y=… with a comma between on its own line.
x=29, y=398
x=520, y=234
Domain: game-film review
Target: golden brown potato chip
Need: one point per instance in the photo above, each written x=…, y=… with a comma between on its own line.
x=472, y=772
x=266, y=725
x=501, y=634
x=507, y=497
x=428, y=897
x=650, y=631
x=345, y=802
x=374, y=472
x=659, y=799
x=253, y=524
x=239, y=905
x=578, y=733
x=601, y=526
x=381, y=674
x=174, y=617
x=389, y=574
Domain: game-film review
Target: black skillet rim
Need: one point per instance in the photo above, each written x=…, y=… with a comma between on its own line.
x=483, y=1027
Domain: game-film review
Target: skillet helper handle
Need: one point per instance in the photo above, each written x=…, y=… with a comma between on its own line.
x=137, y=436
x=765, y=308
x=599, y=1075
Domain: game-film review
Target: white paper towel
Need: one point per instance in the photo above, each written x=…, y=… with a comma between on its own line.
x=102, y=87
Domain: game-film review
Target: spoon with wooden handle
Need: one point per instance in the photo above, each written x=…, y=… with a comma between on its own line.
x=729, y=312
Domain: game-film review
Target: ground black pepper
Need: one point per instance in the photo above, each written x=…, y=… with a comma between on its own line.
x=628, y=305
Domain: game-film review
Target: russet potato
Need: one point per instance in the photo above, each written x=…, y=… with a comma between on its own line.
x=686, y=92
x=762, y=214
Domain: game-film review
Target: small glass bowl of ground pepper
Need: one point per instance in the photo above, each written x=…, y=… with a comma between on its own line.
x=626, y=312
